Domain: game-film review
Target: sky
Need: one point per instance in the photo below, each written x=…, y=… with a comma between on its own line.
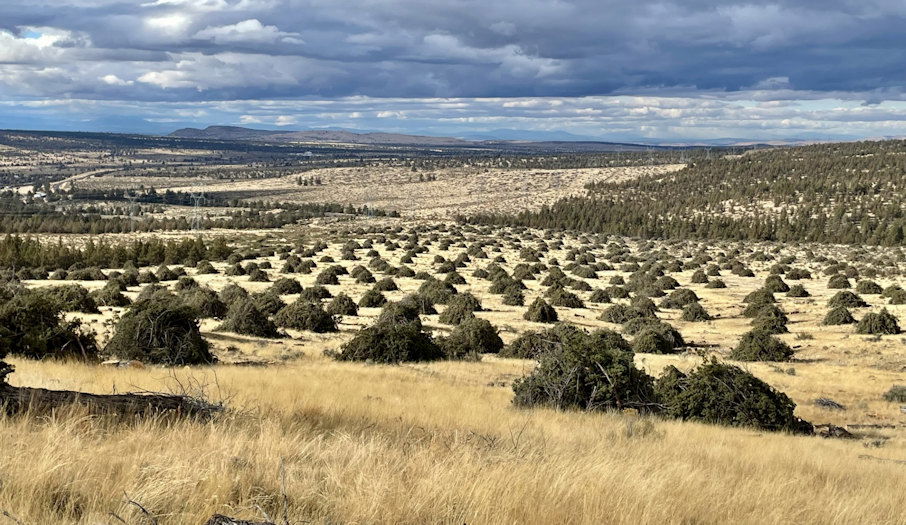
x=601, y=69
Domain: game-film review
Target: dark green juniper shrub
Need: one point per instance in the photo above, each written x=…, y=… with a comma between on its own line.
x=847, y=299
x=771, y=320
x=232, y=292
x=185, y=283
x=679, y=298
x=868, y=288
x=205, y=268
x=243, y=317
x=392, y=339
x=758, y=345
x=315, y=293
x=838, y=281
x=837, y=316
x=32, y=325
x=775, y=284
x=797, y=290
x=541, y=312
x=286, y=286
x=437, y=291
x=372, y=299
x=342, y=304
x=419, y=303
x=305, y=315
x=619, y=314
x=530, y=344
x=514, y=297
x=716, y=284
x=586, y=372
x=724, y=394
x=644, y=305
x=386, y=285
x=161, y=329
x=471, y=338
x=87, y=274
x=617, y=292
x=205, y=301
x=896, y=394
x=695, y=313
x=880, y=323
x=897, y=296
x=599, y=296
x=110, y=296
x=72, y=298
x=268, y=302
x=561, y=297
x=164, y=273
x=699, y=277
x=258, y=275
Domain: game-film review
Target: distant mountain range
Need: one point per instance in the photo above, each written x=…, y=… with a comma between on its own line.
x=333, y=136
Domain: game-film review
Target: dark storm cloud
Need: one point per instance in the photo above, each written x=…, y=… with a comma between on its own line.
x=208, y=49
x=720, y=59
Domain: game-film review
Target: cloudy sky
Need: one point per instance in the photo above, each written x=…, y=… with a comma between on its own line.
x=609, y=69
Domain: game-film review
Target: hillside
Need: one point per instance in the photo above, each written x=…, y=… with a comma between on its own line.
x=838, y=193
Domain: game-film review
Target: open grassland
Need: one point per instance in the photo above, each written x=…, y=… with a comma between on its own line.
x=455, y=191
x=434, y=443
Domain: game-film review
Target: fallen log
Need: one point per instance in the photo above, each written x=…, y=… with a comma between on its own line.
x=18, y=400
x=219, y=519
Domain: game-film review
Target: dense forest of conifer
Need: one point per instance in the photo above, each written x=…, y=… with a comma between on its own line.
x=851, y=193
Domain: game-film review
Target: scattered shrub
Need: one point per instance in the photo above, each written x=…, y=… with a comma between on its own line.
x=514, y=297
x=471, y=338
x=880, y=323
x=243, y=317
x=110, y=296
x=460, y=308
x=837, y=316
x=391, y=342
x=561, y=297
x=847, y=299
x=757, y=345
x=727, y=395
x=797, y=290
x=695, y=313
x=162, y=330
x=868, y=288
x=304, y=315
x=32, y=325
x=268, y=302
x=699, y=277
x=205, y=301
x=437, y=291
x=599, y=296
x=775, y=284
x=286, y=286
x=588, y=372
x=896, y=394
x=530, y=344
x=838, y=281
x=372, y=299
x=72, y=298
x=541, y=312
x=342, y=304
x=679, y=298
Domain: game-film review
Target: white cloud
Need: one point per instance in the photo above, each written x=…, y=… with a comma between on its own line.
x=251, y=31
x=114, y=80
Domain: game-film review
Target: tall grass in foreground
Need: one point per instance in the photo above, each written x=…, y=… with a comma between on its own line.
x=430, y=443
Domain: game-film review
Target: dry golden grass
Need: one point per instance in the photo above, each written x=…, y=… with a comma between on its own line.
x=456, y=191
x=441, y=443
x=420, y=444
